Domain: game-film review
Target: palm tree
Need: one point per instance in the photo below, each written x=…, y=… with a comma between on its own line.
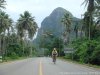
x=88, y=17
x=93, y=12
x=67, y=23
x=2, y=3
x=76, y=29
x=5, y=23
x=27, y=24
x=90, y=4
x=97, y=11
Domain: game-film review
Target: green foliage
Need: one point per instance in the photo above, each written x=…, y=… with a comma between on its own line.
x=87, y=51
x=13, y=45
x=96, y=55
x=53, y=24
x=26, y=23
x=14, y=50
x=57, y=43
x=2, y=4
x=68, y=56
x=52, y=42
x=14, y=55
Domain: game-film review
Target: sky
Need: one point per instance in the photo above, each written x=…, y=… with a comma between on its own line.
x=42, y=8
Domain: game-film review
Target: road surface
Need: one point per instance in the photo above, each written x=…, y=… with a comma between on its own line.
x=44, y=66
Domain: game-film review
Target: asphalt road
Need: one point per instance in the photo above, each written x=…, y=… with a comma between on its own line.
x=45, y=66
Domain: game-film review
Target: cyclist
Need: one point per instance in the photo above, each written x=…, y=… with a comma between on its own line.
x=54, y=55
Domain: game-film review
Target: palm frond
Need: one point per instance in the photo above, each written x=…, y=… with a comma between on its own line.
x=85, y=2
x=2, y=4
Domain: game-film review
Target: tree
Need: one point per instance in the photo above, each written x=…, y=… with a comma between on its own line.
x=97, y=12
x=67, y=22
x=58, y=43
x=91, y=17
x=76, y=29
x=88, y=17
x=5, y=23
x=26, y=24
x=2, y=3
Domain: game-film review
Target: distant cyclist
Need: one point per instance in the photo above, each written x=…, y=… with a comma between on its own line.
x=54, y=55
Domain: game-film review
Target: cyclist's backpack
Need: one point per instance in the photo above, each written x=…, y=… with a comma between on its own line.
x=54, y=53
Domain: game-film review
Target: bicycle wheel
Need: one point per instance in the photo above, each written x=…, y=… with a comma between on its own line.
x=54, y=59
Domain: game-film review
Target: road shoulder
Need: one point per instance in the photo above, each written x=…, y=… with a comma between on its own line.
x=95, y=67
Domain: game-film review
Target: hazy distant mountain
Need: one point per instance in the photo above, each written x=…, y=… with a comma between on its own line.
x=52, y=24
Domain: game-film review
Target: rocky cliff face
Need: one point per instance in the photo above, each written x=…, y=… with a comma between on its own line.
x=52, y=24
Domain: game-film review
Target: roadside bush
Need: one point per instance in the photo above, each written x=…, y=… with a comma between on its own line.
x=95, y=58
x=68, y=56
x=87, y=51
x=14, y=49
x=14, y=55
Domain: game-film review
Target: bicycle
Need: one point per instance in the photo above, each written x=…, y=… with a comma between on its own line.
x=54, y=59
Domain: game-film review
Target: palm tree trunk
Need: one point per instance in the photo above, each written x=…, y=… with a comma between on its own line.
x=31, y=52
x=4, y=46
x=91, y=6
x=7, y=44
x=89, y=30
x=23, y=45
x=90, y=10
x=0, y=48
x=76, y=34
x=81, y=34
x=68, y=38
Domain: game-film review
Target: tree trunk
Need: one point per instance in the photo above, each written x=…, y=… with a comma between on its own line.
x=76, y=34
x=91, y=6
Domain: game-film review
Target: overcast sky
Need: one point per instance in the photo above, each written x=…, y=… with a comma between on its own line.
x=42, y=8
